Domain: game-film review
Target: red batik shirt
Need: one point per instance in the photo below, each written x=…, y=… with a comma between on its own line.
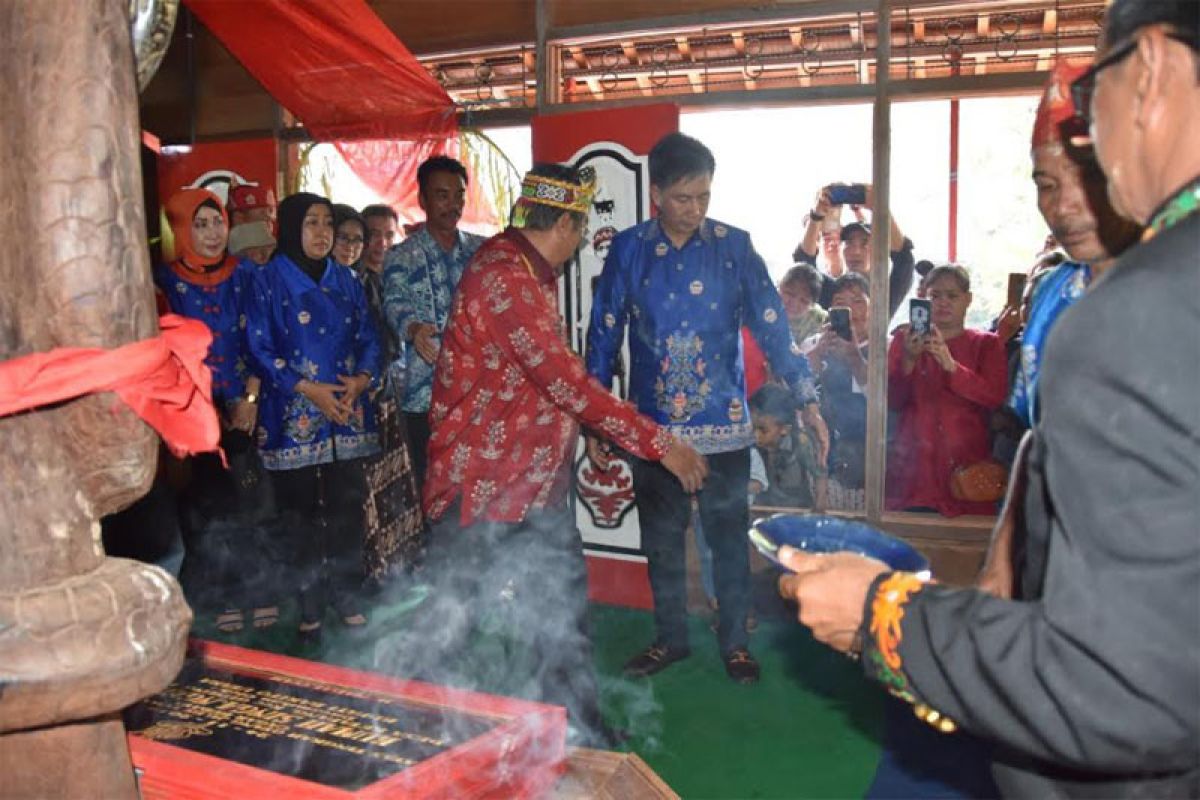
x=509, y=395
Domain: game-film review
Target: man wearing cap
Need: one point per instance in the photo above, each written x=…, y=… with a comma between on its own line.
x=1072, y=197
x=419, y=279
x=249, y=203
x=508, y=399
x=1089, y=682
x=856, y=250
x=685, y=285
x=252, y=241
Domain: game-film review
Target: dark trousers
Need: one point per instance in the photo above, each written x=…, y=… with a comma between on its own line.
x=418, y=441
x=321, y=528
x=529, y=578
x=663, y=514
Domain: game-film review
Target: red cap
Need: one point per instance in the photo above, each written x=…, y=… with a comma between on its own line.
x=244, y=197
x=1056, y=121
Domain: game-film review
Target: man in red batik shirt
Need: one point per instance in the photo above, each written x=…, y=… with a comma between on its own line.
x=508, y=399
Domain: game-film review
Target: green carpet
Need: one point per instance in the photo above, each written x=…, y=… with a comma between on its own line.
x=810, y=729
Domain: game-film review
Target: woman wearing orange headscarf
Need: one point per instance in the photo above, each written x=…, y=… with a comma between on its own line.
x=205, y=283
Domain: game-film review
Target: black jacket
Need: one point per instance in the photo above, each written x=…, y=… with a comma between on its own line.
x=1090, y=682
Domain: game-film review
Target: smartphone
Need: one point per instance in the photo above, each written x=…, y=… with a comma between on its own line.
x=853, y=195
x=839, y=322
x=1016, y=289
x=919, y=313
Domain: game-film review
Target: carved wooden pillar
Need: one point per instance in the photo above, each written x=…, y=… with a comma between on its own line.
x=81, y=635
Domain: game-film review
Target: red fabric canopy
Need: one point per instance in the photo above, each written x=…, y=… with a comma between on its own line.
x=333, y=64
x=389, y=168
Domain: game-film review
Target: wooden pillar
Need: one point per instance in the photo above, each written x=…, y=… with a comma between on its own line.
x=81, y=635
x=876, y=450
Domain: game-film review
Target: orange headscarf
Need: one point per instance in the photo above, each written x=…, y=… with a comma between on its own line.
x=1056, y=122
x=190, y=265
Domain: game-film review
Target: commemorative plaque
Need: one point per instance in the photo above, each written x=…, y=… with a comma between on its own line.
x=242, y=723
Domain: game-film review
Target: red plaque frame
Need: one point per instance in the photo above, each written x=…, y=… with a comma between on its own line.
x=529, y=735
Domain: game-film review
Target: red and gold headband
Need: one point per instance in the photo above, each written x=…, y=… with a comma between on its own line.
x=541, y=190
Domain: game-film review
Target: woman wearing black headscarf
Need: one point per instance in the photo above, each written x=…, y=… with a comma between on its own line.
x=312, y=339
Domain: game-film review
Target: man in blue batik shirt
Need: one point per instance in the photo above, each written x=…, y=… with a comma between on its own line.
x=419, y=279
x=685, y=285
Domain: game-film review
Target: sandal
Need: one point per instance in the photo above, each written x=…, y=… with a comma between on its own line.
x=266, y=616
x=354, y=620
x=230, y=621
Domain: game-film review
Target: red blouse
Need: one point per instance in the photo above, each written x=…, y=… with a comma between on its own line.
x=943, y=420
x=509, y=395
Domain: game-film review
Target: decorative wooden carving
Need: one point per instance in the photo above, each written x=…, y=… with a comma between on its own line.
x=81, y=635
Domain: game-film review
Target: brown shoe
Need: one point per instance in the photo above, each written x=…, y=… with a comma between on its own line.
x=741, y=666
x=654, y=658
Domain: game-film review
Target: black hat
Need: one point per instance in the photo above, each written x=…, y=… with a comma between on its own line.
x=1125, y=17
x=865, y=227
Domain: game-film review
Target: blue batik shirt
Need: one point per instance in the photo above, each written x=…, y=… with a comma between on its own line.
x=685, y=308
x=301, y=329
x=419, y=279
x=1055, y=293
x=222, y=307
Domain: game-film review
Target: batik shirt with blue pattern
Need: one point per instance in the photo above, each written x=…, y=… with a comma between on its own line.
x=419, y=279
x=300, y=329
x=1055, y=293
x=685, y=308
x=222, y=307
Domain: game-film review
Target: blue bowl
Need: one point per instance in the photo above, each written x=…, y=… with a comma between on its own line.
x=815, y=533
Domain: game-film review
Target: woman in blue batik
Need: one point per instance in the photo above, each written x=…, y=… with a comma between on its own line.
x=223, y=510
x=312, y=339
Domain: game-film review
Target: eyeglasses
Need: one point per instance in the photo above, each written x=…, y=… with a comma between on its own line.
x=353, y=241
x=1084, y=87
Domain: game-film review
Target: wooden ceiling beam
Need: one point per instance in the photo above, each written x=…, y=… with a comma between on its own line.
x=684, y=47
x=1050, y=22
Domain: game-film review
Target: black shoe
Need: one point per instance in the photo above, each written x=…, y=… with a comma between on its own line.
x=654, y=658
x=741, y=666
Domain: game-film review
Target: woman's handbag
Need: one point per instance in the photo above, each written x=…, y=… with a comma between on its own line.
x=981, y=482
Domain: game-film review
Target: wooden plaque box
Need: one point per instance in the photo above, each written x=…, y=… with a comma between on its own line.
x=243, y=723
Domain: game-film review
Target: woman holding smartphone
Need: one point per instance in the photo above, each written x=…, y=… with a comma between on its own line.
x=943, y=386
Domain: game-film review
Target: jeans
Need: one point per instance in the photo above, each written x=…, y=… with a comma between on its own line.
x=663, y=511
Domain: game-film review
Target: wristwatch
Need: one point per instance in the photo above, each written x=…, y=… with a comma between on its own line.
x=250, y=397
x=813, y=215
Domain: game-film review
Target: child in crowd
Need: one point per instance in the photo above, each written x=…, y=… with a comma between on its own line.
x=795, y=476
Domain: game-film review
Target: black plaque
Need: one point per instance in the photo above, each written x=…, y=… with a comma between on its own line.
x=333, y=735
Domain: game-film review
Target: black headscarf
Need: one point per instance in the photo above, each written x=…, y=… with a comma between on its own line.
x=291, y=224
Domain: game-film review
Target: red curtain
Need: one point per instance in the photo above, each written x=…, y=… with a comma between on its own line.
x=389, y=168
x=333, y=64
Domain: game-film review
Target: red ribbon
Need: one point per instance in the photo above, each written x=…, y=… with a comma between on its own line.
x=163, y=380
